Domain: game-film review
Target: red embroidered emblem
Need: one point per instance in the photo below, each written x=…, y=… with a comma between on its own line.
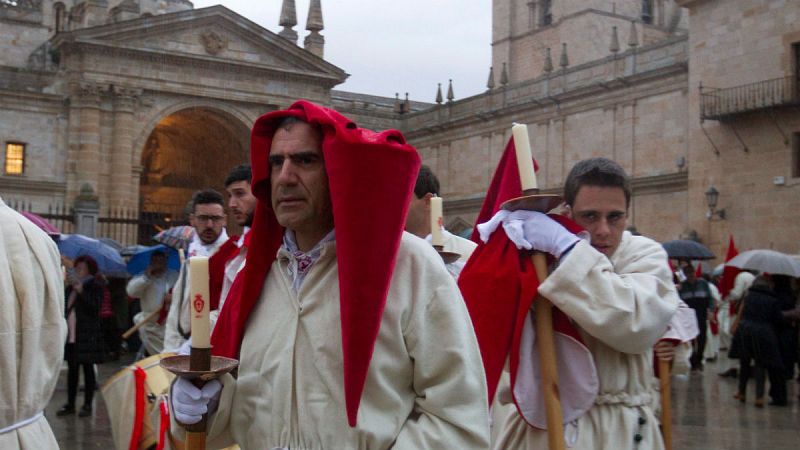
x=198, y=303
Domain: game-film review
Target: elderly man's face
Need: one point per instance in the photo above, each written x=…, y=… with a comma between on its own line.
x=300, y=194
x=602, y=211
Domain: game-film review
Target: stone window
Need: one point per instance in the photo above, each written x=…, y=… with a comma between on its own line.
x=15, y=158
x=545, y=12
x=60, y=16
x=796, y=155
x=647, y=11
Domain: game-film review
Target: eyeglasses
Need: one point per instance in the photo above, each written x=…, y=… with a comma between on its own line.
x=204, y=218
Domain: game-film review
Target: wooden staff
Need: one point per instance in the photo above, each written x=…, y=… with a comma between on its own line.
x=200, y=356
x=135, y=328
x=666, y=405
x=545, y=343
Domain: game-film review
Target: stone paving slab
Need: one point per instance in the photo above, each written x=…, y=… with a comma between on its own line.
x=705, y=415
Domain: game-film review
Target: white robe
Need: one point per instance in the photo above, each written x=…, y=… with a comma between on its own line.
x=425, y=388
x=150, y=291
x=33, y=331
x=621, y=307
x=178, y=316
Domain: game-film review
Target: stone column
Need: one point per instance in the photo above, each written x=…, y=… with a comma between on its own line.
x=121, y=173
x=85, y=136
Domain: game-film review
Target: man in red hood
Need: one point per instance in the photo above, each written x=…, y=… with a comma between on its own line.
x=350, y=333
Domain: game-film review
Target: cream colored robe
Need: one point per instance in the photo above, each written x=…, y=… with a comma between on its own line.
x=179, y=307
x=621, y=308
x=425, y=388
x=32, y=331
x=457, y=244
x=150, y=291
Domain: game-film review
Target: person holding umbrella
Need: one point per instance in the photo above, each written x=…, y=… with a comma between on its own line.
x=696, y=293
x=85, y=345
x=154, y=289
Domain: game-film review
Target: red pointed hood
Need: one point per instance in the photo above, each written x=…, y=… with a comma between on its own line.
x=499, y=285
x=729, y=272
x=371, y=177
x=505, y=186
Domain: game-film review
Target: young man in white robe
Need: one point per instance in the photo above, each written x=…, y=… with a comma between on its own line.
x=208, y=219
x=33, y=331
x=152, y=288
x=617, y=289
x=418, y=221
x=350, y=333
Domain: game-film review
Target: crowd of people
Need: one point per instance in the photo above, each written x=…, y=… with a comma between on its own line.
x=352, y=332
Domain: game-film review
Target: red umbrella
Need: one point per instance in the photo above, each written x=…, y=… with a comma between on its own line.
x=42, y=223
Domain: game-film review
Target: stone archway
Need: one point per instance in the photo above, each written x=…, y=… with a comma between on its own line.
x=187, y=150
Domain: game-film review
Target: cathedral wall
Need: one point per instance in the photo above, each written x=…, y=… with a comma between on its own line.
x=735, y=43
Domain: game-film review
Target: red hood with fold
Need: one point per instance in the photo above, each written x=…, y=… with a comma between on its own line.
x=371, y=177
x=499, y=282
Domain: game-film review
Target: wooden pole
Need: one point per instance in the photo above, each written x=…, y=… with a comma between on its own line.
x=545, y=343
x=135, y=328
x=666, y=405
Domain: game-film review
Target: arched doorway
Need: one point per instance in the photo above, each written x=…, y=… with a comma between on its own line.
x=188, y=150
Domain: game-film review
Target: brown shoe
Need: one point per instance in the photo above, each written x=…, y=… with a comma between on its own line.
x=739, y=396
x=760, y=402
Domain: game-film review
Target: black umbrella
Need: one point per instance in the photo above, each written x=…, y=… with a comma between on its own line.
x=687, y=250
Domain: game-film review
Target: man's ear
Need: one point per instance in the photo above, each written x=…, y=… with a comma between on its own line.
x=427, y=199
x=566, y=210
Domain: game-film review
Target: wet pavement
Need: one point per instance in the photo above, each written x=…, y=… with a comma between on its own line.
x=705, y=415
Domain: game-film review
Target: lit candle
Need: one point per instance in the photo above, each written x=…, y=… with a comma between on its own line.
x=524, y=158
x=198, y=298
x=436, y=221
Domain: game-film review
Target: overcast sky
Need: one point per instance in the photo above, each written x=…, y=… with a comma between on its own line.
x=390, y=46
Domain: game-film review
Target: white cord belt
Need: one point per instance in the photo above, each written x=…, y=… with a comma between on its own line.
x=22, y=423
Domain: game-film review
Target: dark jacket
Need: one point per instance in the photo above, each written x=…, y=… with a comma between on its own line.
x=90, y=346
x=755, y=336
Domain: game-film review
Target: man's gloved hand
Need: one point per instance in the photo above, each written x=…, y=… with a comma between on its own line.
x=531, y=230
x=190, y=403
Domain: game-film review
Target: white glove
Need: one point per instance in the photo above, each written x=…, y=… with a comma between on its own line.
x=185, y=348
x=487, y=228
x=530, y=230
x=190, y=403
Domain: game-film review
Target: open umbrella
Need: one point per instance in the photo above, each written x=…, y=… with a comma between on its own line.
x=141, y=259
x=108, y=259
x=41, y=222
x=769, y=261
x=111, y=243
x=132, y=249
x=176, y=237
x=687, y=250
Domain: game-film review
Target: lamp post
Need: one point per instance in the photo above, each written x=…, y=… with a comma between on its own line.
x=712, y=195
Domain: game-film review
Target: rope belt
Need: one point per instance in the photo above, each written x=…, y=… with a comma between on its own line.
x=625, y=399
x=22, y=423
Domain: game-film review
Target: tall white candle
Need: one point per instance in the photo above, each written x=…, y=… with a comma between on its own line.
x=524, y=157
x=198, y=292
x=436, y=221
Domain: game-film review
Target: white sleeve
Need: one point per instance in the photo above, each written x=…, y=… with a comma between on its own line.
x=628, y=307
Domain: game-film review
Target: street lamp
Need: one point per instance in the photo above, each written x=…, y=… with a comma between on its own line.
x=712, y=195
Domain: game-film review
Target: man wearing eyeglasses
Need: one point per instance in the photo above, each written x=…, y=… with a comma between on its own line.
x=617, y=290
x=208, y=219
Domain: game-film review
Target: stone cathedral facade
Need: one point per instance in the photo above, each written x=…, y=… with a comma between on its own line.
x=145, y=102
